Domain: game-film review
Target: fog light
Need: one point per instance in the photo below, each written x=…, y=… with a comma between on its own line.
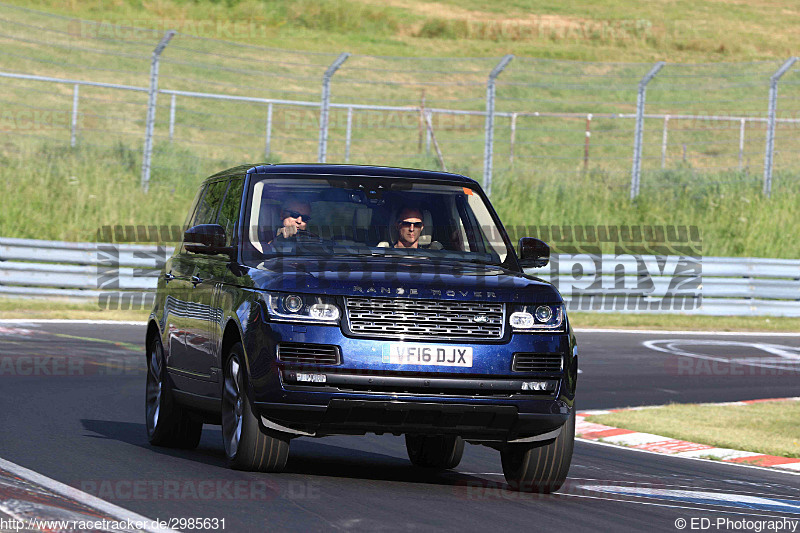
x=311, y=378
x=293, y=303
x=537, y=385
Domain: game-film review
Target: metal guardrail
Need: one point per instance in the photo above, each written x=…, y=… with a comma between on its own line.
x=104, y=273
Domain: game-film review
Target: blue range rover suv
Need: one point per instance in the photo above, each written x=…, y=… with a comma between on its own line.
x=313, y=300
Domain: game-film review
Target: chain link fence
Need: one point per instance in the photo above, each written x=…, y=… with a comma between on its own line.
x=220, y=103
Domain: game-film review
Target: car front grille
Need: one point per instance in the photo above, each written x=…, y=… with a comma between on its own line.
x=537, y=362
x=424, y=319
x=308, y=353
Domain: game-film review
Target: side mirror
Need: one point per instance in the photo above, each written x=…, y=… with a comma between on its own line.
x=206, y=239
x=533, y=253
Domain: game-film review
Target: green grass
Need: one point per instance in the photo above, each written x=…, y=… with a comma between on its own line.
x=56, y=309
x=70, y=193
x=611, y=30
x=682, y=322
x=768, y=428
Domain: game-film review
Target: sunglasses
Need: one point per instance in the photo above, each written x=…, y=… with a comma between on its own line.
x=412, y=225
x=296, y=214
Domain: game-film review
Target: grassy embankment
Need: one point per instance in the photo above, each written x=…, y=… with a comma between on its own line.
x=769, y=427
x=51, y=191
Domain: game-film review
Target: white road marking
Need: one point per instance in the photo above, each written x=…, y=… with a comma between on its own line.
x=701, y=497
x=77, y=495
x=788, y=357
x=735, y=465
x=689, y=332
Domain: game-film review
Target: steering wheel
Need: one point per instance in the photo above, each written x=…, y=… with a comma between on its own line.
x=305, y=234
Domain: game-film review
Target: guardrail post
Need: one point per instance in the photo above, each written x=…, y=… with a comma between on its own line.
x=489, y=128
x=773, y=103
x=151, y=109
x=74, y=125
x=326, y=102
x=171, y=117
x=268, y=135
x=349, y=134
x=637, y=142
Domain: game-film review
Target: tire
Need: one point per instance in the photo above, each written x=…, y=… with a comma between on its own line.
x=540, y=469
x=168, y=424
x=435, y=451
x=246, y=446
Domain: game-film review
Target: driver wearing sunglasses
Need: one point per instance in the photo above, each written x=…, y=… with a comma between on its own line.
x=295, y=215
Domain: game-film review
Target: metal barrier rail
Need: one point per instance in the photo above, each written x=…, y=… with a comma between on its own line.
x=127, y=273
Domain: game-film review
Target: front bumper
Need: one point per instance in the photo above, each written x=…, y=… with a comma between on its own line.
x=363, y=394
x=484, y=423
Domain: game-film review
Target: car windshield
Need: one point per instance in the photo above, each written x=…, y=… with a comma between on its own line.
x=363, y=216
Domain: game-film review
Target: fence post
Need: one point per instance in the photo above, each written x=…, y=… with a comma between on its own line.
x=428, y=118
x=348, y=135
x=268, y=133
x=664, y=142
x=171, y=117
x=637, y=142
x=74, y=127
x=489, y=128
x=773, y=103
x=513, y=138
x=586, y=142
x=429, y=124
x=151, y=109
x=326, y=102
x=421, y=120
x=741, y=144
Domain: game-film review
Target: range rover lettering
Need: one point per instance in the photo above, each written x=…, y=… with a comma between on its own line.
x=316, y=300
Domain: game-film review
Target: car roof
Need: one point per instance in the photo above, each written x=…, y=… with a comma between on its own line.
x=345, y=170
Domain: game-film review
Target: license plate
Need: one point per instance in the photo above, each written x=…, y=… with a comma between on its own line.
x=404, y=353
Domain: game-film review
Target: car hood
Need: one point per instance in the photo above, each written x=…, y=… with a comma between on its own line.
x=424, y=279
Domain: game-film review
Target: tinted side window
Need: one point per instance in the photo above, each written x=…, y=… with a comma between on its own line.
x=209, y=207
x=229, y=214
x=190, y=217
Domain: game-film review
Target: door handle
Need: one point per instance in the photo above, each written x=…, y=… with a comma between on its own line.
x=168, y=276
x=196, y=280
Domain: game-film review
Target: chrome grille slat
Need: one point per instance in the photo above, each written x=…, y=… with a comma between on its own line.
x=424, y=319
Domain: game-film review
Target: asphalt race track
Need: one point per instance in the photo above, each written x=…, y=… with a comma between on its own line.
x=72, y=409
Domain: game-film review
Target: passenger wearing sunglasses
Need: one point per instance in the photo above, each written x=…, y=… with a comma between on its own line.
x=409, y=228
x=295, y=215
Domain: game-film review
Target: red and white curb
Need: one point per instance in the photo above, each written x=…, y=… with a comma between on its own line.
x=679, y=448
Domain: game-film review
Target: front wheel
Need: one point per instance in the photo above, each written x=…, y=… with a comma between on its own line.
x=246, y=446
x=542, y=469
x=168, y=424
x=435, y=451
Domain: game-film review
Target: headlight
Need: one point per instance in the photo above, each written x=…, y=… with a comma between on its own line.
x=537, y=318
x=302, y=307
